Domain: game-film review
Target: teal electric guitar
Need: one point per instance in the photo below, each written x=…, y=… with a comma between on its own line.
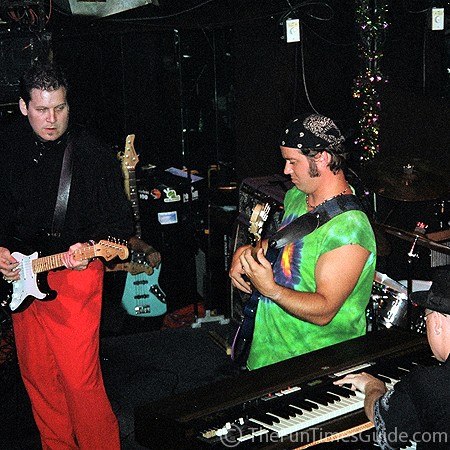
x=142, y=295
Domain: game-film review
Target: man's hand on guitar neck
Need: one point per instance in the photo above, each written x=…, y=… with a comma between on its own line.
x=70, y=262
x=152, y=256
x=236, y=271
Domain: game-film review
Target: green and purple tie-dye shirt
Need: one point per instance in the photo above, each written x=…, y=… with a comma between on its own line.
x=278, y=335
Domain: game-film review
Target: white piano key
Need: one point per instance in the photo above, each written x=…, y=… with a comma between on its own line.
x=256, y=433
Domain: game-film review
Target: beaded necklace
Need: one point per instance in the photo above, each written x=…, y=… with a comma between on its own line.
x=327, y=200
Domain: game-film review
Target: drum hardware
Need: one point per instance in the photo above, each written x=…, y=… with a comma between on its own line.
x=388, y=306
x=417, y=237
x=399, y=311
x=388, y=303
x=421, y=240
x=409, y=180
x=419, y=231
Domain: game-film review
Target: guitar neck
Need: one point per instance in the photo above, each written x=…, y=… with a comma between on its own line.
x=134, y=202
x=255, y=247
x=129, y=160
x=46, y=263
x=133, y=268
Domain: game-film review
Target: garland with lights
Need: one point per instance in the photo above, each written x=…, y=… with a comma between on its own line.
x=371, y=19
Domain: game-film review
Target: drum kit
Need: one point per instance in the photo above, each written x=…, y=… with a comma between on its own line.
x=412, y=180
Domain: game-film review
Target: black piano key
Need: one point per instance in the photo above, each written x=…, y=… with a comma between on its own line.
x=332, y=393
x=341, y=391
x=309, y=405
x=297, y=411
x=281, y=411
x=331, y=398
x=305, y=405
x=319, y=396
x=263, y=417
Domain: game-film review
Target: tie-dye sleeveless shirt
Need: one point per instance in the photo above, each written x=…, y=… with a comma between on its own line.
x=278, y=335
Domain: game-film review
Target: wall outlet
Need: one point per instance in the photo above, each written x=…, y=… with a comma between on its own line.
x=437, y=19
x=292, y=30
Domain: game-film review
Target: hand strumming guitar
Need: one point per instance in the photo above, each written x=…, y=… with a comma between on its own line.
x=8, y=265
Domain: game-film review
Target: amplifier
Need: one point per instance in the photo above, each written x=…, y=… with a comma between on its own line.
x=270, y=188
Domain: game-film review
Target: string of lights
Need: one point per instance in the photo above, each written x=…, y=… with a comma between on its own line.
x=371, y=18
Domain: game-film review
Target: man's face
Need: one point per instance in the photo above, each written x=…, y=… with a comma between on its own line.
x=48, y=113
x=300, y=169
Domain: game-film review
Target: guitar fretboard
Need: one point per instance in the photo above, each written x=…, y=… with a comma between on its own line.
x=46, y=263
x=134, y=202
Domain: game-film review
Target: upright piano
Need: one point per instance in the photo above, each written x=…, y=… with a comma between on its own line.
x=289, y=405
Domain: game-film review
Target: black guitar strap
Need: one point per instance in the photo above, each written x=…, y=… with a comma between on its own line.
x=63, y=191
x=312, y=220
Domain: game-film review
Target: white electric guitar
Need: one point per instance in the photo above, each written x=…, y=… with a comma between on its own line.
x=33, y=277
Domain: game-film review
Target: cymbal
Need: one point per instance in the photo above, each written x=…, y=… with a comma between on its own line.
x=421, y=240
x=408, y=179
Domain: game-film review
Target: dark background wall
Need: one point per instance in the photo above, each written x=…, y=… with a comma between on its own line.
x=207, y=82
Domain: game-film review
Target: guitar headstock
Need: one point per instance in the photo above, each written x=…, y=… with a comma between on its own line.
x=129, y=156
x=259, y=216
x=109, y=250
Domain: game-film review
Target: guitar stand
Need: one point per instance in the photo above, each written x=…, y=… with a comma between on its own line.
x=209, y=318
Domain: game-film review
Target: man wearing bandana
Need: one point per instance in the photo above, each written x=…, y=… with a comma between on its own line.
x=317, y=290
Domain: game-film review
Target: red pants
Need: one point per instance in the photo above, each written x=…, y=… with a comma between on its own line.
x=58, y=350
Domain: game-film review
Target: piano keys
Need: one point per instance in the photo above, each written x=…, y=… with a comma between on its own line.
x=287, y=405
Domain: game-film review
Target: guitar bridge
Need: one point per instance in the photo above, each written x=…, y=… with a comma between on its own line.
x=142, y=309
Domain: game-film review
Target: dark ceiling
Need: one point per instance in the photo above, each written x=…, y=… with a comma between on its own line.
x=60, y=15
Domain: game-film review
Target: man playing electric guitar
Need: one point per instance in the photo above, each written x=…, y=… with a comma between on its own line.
x=60, y=178
x=317, y=291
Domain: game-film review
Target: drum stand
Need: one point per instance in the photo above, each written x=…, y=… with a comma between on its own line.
x=372, y=322
x=409, y=283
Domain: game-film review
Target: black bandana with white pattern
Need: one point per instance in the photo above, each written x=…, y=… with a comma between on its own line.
x=312, y=132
